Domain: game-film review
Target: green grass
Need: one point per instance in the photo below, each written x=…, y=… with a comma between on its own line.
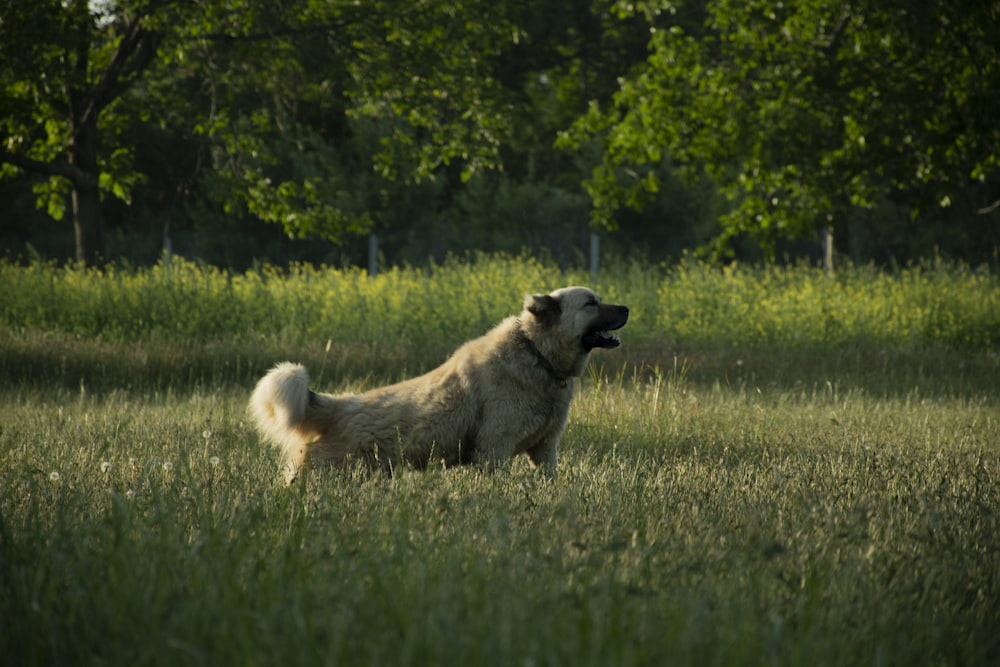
x=691, y=304
x=721, y=501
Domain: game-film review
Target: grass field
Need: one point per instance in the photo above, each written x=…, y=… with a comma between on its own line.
x=760, y=475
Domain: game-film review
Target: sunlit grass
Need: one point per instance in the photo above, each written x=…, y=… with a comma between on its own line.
x=689, y=525
x=691, y=304
x=742, y=482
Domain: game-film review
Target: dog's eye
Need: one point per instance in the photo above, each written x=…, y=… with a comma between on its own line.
x=591, y=302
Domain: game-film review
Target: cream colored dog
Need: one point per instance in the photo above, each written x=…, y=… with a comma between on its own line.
x=503, y=394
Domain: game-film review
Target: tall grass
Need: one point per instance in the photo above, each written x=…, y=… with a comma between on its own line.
x=802, y=306
x=691, y=304
x=760, y=475
x=688, y=526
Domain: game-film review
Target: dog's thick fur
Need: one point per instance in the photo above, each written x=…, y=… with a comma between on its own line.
x=503, y=394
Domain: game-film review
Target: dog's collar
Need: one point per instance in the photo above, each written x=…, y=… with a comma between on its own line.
x=561, y=378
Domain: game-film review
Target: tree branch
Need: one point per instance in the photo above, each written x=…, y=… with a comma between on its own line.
x=62, y=168
x=989, y=209
x=361, y=15
x=833, y=43
x=135, y=53
x=280, y=31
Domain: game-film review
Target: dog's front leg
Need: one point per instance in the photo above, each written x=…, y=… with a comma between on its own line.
x=543, y=455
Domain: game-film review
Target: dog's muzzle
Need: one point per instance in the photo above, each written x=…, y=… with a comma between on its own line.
x=610, y=319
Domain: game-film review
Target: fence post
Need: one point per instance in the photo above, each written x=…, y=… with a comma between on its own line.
x=595, y=255
x=372, y=255
x=828, y=249
x=168, y=245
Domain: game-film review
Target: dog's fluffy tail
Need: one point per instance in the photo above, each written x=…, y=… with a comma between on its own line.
x=278, y=406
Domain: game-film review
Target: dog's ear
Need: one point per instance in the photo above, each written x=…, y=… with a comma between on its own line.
x=545, y=307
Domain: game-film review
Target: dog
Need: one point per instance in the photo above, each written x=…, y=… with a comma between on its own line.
x=500, y=395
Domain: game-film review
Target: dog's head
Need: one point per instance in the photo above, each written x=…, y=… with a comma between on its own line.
x=577, y=314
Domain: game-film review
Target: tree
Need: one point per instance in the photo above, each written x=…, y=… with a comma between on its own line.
x=803, y=112
x=57, y=102
x=75, y=74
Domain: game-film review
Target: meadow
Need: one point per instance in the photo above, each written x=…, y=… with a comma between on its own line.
x=777, y=467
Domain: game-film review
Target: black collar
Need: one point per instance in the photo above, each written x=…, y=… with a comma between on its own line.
x=561, y=378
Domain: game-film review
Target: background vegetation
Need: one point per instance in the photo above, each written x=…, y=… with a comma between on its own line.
x=786, y=484
x=692, y=304
x=222, y=129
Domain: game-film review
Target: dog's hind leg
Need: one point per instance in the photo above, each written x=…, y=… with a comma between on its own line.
x=495, y=455
x=293, y=463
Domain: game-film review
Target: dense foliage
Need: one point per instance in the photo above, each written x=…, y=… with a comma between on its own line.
x=807, y=113
x=218, y=128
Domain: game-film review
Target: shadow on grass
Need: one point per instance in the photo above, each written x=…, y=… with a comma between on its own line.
x=930, y=373
x=42, y=361
x=57, y=361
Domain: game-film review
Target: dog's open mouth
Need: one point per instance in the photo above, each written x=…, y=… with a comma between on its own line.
x=600, y=335
x=601, y=338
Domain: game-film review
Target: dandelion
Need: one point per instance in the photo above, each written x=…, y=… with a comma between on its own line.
x=105, y=466
x=214, y=461
x=167, y=466
x=54, y=475
x=206, y=434
x=130, y=494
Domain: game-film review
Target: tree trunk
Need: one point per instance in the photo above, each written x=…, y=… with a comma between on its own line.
x=88, y=219
x=88, y=223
